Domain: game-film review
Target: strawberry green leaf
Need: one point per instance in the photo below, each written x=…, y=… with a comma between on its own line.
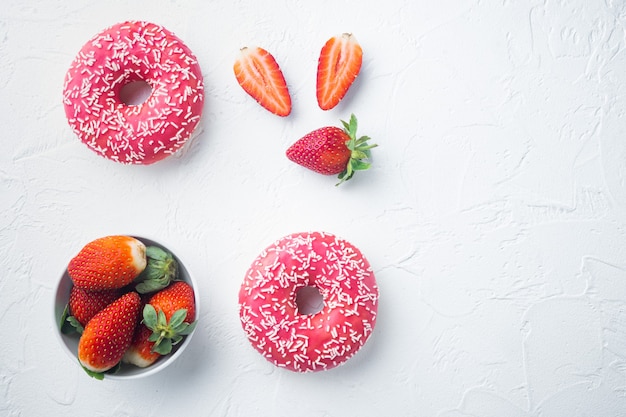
x=160, y=270
x=358, y=165
x=96, y=375
x=188, y=329
x=176, y=339
x=164, y=347
x=353, y=124
x=69, y=324
x=358, y=155
x=181, y=329
x=66, y=312
x=149, y=316
x=157, y=254
x=178, y=317
x=166, y=334
x=359, y=150
x=65, y=326
x=75, y=324
x=161, y=319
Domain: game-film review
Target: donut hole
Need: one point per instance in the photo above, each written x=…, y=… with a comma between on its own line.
x=309, y=300
x=135, y=92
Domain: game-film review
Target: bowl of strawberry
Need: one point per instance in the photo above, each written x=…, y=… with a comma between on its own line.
x=125, y=307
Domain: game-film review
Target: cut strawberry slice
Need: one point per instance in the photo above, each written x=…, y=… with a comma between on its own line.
x=260, y=76
x=338, y=66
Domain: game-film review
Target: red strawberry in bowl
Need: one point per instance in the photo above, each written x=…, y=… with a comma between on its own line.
x=85, y=304
x=168, y=316
x=107, y=263
x=331, y=150
x=112, y=262
x=108, y=334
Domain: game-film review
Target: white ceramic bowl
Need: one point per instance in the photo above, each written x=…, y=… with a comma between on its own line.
x=127, y=371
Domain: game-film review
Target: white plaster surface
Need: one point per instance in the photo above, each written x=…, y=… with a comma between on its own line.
x=494, y=215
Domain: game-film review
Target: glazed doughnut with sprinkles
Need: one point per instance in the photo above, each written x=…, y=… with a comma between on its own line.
x=270, y=312
x=144, y=133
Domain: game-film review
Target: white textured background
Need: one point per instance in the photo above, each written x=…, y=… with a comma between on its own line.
x=494, y=215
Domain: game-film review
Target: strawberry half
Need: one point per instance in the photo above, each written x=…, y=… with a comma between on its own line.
x=108, y=334
x=107, y=263
x=338, y=66
x=170, y=314
x=84, y=304
x=260, y=76
x=331, y=151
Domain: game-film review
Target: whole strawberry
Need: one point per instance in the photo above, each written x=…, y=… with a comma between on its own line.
x=108, y=334
x=108, y=263
x=331, y=150
x=170, y=314
x=84, y=304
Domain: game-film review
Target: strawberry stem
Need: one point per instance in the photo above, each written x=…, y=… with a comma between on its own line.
x=359, y=150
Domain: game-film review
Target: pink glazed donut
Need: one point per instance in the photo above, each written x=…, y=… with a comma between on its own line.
x=309, y=342
x=134, y=134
